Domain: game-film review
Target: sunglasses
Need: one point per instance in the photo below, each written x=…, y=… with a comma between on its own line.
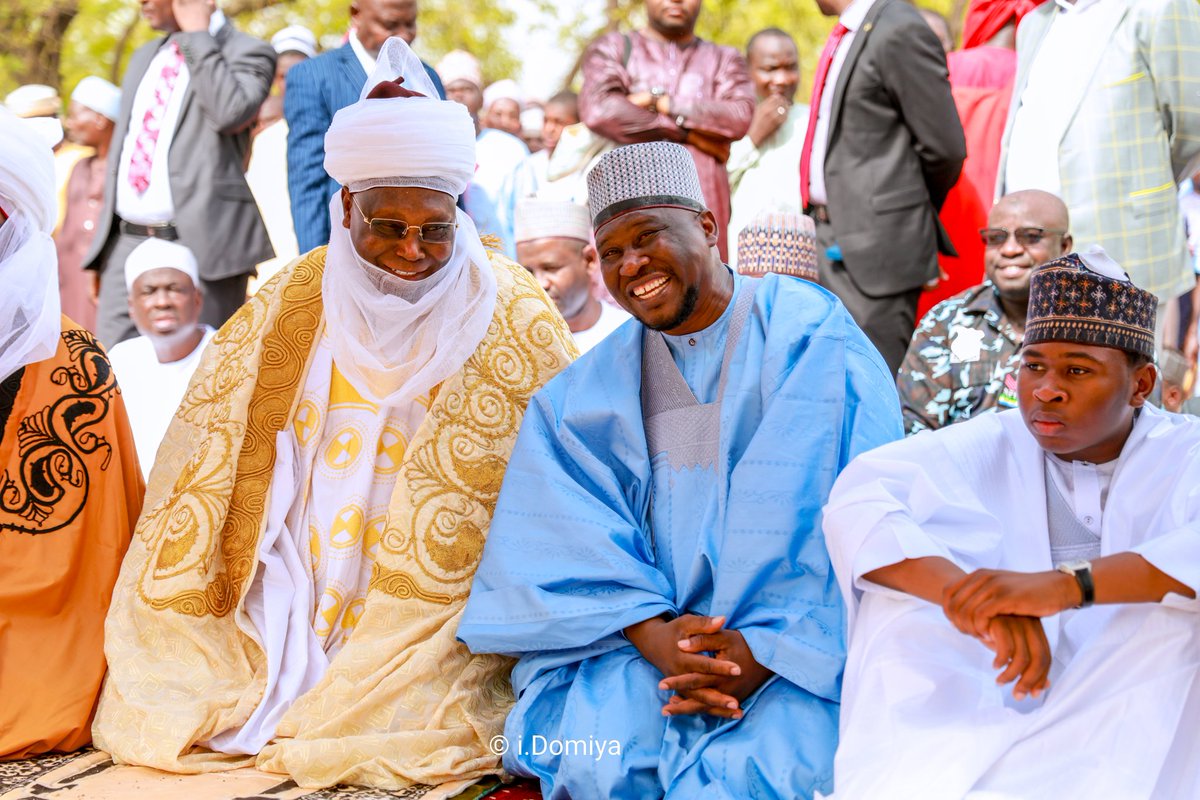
x=430, y=232
x=1026, y=237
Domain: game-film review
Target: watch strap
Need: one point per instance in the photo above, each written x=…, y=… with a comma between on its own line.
x=1086, y=585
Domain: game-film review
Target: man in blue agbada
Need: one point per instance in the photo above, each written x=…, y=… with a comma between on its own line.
x=656, y=559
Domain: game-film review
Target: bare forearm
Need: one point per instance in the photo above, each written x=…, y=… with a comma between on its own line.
x=1129, y=578
x=925, y=578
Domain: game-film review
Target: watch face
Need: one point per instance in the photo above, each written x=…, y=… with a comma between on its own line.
x=1074, y=566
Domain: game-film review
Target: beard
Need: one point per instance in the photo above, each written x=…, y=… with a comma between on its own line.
x=690, y=298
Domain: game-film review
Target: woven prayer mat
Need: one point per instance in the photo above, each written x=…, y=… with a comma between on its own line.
x=91, y=775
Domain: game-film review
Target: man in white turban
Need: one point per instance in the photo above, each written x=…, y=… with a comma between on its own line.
x=70, y=489
x=320, y=502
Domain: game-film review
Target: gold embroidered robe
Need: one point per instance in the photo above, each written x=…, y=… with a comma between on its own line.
x=403, y=702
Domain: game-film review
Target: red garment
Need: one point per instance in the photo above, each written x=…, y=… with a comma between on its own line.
x=986, y=18
x=831, y=46
x=709, y=88
x=962, y=216
x=981, y=81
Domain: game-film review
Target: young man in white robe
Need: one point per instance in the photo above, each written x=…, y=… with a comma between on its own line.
x=1056, y=545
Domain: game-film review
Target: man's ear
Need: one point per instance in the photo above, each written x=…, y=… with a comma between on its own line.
x=346, y=204
x=1068, y=243
x=1144, y=378
x=709, y=223
x=592, y=258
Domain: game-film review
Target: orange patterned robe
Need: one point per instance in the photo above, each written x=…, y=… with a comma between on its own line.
x=70, y=493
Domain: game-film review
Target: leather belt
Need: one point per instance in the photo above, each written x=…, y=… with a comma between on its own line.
x=819, y=213
x=163, y=230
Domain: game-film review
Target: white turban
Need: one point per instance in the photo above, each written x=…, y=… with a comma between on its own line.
x=506, y=89
x=33, y=100
x=158, y=254
x=543, y=219
x=414, y=141
x=459, y=65
x=30, y=322
x=295, y=39
x=99, y=95
x=392, y=338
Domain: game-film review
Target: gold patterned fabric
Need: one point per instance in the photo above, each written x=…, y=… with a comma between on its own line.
x=403, y=702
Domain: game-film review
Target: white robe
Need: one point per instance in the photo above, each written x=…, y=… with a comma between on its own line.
x=922, y=715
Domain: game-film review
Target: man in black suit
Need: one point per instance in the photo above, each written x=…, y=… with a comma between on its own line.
x=884, y=146
x=318, y=89
x=177, y=167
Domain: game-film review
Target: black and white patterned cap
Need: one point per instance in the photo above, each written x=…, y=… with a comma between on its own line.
x=647, y=175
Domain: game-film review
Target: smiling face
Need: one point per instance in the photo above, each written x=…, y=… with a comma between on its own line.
x=774, y=66
x=165, y=304
x=659, y=264
x=1078, y=400
x=1010, y=265
x=408, y=257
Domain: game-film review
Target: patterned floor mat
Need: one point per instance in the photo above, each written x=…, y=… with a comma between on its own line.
x=91, y=775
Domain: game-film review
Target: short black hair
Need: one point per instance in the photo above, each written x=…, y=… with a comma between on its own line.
x=776, y=32
x=565, y=98
x=1137, y=360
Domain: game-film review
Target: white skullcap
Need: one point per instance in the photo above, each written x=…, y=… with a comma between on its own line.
x=543, y=219
x=33, y=100
x=159, y=254
x=506, y=89
x=295, y=39
x=401, y=141
x=99, y=95
x=532, y=120
x=27, y=172
x=459, y=65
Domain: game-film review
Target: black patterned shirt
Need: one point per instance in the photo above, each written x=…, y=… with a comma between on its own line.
x=962, y=360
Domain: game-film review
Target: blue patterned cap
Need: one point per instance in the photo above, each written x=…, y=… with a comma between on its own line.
x=1088, y=299
x=647, y=175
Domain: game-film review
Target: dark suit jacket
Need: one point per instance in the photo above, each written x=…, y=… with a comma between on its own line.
x=215, y=214
x=896, y=147
x=316, y=89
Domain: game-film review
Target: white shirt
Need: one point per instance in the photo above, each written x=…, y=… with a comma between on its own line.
x=366, y=59
x=610, y=319
x=155, y=205
x=852, y=18
x=1057, y=74
x=151, y=390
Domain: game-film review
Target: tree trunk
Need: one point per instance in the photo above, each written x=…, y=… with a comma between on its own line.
x=41, y=51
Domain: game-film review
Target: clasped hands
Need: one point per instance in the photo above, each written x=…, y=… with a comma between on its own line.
x=702, y=684
x=1003, y=610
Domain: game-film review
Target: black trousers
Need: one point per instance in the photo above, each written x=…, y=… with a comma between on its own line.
x=221, y=297
x=888, y=321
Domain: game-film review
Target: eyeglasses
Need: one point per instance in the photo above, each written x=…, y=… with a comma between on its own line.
x=430, y=232
x=1026, y=237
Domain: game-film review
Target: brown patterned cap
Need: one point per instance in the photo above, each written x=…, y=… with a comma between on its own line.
x=779, y=241
x=647, y=175
x=1090, y=300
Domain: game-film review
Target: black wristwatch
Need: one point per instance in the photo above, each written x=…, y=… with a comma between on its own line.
x=1082, y=572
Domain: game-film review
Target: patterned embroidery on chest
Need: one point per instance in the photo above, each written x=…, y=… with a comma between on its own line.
x=48, y=484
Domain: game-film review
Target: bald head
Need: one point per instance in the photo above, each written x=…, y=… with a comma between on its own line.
x=1034, y=227
x=1046, y=207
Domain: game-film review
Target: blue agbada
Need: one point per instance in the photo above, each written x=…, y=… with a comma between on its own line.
x=592, y=534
